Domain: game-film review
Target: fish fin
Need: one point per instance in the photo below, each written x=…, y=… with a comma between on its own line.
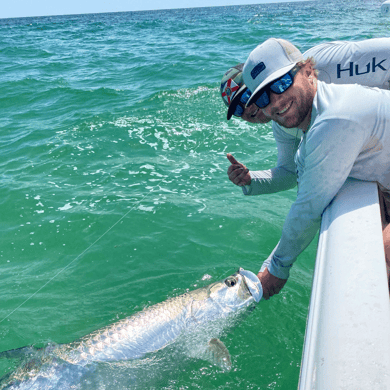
x=216, y=353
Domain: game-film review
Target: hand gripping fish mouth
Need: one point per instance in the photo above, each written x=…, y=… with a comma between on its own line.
x=253, y=284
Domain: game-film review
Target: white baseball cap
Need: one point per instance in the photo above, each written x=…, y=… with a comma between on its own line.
x=269, y=61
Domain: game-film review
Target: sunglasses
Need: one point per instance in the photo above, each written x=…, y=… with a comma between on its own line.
x=240, y=108
x=280, y=85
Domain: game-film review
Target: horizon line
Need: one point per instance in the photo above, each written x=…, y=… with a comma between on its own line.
x=156, y=9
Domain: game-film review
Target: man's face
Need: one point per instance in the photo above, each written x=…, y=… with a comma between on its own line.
x=292, y=107
x=253, y=114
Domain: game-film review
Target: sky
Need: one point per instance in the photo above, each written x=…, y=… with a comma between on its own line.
x=24, y=8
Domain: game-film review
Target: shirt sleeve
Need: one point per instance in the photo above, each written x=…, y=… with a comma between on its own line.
x=329, y=149
x=283, y=176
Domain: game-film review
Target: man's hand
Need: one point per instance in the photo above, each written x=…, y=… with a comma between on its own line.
x=238, y=173
x=271, y=284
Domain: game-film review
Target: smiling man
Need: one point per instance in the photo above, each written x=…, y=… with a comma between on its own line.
x=341, y=62
x=346, y=133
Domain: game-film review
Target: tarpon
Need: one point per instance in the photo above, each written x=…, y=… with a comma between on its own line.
x=203, y=314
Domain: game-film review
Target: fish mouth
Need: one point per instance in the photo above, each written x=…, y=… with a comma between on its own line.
x=252, y=283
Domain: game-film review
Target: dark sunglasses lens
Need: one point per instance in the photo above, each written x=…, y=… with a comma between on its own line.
x=282, y=84
x=263, y=100
x=245, y=96
x=238, y=111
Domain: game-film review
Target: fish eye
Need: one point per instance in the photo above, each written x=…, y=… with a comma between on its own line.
x=231, y=282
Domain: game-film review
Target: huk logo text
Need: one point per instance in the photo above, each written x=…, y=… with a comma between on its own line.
x=354, y=69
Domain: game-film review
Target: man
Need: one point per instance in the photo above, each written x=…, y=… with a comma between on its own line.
x=365, y=62
x=346, y=133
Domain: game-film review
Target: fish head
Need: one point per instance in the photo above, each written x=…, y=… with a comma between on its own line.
x=236, y=291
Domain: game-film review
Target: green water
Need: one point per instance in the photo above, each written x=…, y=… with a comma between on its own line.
x=114, y=193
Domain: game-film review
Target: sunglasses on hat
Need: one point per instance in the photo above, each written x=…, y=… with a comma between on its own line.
x=278, y=86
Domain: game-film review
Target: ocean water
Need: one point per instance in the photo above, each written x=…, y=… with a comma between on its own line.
x=114, y=193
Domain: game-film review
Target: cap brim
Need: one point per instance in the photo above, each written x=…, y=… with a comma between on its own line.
x=279, y=73
x=235, y=100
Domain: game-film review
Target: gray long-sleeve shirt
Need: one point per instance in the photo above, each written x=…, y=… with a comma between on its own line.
x=349, y=136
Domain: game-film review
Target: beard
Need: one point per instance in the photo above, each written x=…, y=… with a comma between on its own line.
x=296, y=120
x=301, y=101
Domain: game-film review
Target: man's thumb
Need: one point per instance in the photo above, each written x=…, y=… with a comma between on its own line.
x=232, y=159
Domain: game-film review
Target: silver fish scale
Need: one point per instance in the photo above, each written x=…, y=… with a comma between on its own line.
x=133, y=337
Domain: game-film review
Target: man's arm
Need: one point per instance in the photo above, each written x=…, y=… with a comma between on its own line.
x=331, y=149
x=280, y=178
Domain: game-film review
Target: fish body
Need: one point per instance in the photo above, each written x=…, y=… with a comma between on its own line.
x=204, y=312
